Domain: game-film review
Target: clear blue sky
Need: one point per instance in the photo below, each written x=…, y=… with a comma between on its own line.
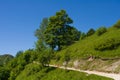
x=20, y=18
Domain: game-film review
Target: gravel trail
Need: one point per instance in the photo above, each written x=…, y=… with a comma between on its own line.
x=110, y=75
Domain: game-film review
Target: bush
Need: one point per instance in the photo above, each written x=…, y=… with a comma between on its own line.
x=45, y=57
x=19, y=53
x=4, y=73
x=117, y=25
x=83, y=35
x=90, y=32
x=18, y=64
x=15, y=72
x=32, y=69
x=101, y=30
x=108, y=44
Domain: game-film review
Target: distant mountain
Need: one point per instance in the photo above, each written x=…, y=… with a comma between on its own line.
x=5, y=59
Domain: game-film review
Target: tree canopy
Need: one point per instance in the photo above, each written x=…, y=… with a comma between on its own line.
x=59, y=32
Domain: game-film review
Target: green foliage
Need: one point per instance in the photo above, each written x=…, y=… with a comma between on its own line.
x=13, y=63
x=18, y=64
x=74, y=34
x=15, y=72
x=4, y=73
x=108, y=44
x=101, y=30
x=37, y=72
x=4, y=59
x=45, y=57
x=19, y=53
x=66, y=56
x=39, y=33
x=83, y=35
x=33, y=72
x=71, y=75
x=40, y=44
x=90, y=32
x=86, y=47
x=31, y=69
x=117, y=25
x=59, y=32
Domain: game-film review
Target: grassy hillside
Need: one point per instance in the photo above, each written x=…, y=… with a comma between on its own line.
x=101, y=53
x=87, y=47
x=23, y=67
x=94, y=52
x=36, y=72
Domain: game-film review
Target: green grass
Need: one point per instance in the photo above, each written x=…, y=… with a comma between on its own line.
x=86, y=47
x=36, y=72
x=109, y=43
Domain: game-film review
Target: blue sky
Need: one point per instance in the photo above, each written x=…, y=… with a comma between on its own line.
x=20, y=18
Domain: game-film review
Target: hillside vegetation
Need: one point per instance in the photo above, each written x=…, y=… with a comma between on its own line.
x=36, y=72
x=61, y=44
x=95, y=52
x=23, y=67
x=4, y=59
x=104, y=46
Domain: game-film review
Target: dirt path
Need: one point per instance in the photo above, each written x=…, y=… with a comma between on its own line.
x=110, y=75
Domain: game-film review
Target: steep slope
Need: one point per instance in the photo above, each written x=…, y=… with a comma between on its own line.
x=86, y=47
x=94, y=52
x=24, y=67
x=110, y=75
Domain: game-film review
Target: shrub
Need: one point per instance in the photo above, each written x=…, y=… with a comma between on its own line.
x=83, y=35
x=45, y=57
x=19, y=53
x=15, y=72
x=31, y=70
x=117, y=25
x=101, y=30
x=4, y=73
x=90, y=32
x=108, y=44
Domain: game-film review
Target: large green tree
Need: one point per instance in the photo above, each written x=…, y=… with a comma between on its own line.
x=59, y=32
